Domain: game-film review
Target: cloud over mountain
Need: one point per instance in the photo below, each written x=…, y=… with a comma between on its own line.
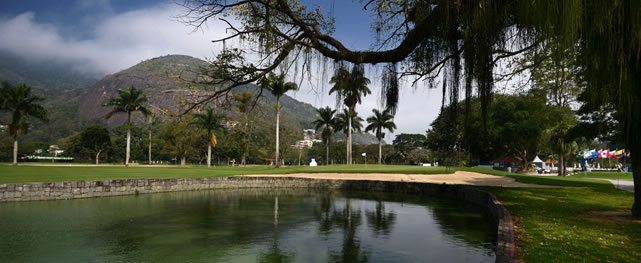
x=112, y=43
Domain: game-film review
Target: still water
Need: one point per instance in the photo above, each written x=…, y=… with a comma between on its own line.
x=247, y=226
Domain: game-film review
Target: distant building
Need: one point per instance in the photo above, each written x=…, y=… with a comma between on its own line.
x=309, y=138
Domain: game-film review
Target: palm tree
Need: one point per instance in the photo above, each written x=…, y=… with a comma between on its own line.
x=326, y=123
x=350, y=87
x=211, y=122
x=343, y=124
x=277, y=85
x=378, y=122
x=23, y=105
x=244, y=100
x=128, y=101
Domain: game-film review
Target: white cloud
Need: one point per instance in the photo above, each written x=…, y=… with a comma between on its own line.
x=116, y=42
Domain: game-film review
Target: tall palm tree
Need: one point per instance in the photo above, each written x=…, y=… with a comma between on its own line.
x=23, y=105
x=325, y=123
x=343, y=123
x=378, y=122
x=211, y=122
x=277, y=85
x=351, y=87
x=128, y=101
x=244, y=100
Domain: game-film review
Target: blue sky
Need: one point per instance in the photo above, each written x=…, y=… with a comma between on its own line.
x=105, y=36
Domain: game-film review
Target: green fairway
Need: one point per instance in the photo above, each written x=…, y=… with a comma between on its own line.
x=605, y=175
x=26, y=173
x=551, y=223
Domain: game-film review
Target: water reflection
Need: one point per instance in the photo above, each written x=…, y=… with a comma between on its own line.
x=379, y=220
x=247, y=226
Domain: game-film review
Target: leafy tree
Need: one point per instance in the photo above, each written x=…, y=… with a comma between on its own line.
x=556, y=73
x=521, y=123
x=325, y=123
x=22, y=105
x=278, y=87
x=93, y=140
x=243, y=103
x=210, y=122
x=407, y=141
x=350, y=87
x=129, y=100
x=181, y=139
x=563, y=145
x=379, y=122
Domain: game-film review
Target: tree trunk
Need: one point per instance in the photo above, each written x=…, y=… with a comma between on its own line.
x=380, y=151
x=183, y=161
x=300, y=153
x=635, y=156
x=209, y=153
x=15, y=150
x=327, y=153
x=349, y=138
x=128, y=147
x=98, y=157
x=277, y=160
x=634, y=143
x=561, y=165
x=149, y=147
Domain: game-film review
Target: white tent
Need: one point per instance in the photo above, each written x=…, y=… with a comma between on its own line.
x=537, y=160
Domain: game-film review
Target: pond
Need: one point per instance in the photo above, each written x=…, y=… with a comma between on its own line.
x=248, y=225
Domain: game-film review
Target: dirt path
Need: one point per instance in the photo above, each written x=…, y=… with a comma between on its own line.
x=459, y=177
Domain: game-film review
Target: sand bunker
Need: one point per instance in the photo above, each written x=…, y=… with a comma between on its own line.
x=459, y=177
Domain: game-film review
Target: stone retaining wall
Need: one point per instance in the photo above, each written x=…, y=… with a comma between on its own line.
x=88, y=189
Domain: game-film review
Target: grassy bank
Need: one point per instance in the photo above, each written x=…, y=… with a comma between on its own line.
x=26, y=173
x=552, y=224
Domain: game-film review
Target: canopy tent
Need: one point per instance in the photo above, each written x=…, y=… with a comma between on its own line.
x=537, y=160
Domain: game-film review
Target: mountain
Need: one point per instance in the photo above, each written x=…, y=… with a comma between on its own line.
x=163, y=80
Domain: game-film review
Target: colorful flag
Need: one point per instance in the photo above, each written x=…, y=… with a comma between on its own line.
x=586, y=154
x=612, y=154
x=620, y=153
x=603, y=154
x=595, y=154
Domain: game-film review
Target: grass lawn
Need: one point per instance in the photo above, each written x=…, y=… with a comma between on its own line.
x=37, y=173
x=551, y=223
x=612, y=175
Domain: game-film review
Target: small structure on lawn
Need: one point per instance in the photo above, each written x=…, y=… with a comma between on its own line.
x=504, y=162
x=537, y=162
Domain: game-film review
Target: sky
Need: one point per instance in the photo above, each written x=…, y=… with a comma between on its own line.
x=105, y=36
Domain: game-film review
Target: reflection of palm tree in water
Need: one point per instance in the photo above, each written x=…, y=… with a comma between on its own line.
x=379, y=221
x=275, y=254
x=324, y=215
x=349, y=220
